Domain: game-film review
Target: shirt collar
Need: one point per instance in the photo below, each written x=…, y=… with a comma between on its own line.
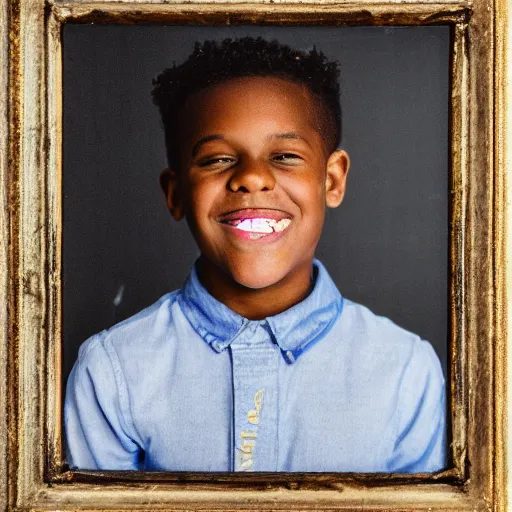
x=294, y=330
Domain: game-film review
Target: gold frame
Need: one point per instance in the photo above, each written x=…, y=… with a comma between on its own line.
x=32, y=476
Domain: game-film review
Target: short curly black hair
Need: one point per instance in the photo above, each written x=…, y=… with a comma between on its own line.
x=213, y=62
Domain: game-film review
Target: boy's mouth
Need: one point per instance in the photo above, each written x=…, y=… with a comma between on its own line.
x=257, y=223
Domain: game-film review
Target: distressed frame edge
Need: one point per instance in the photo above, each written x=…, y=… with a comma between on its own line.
x=4, y=246
x=459, y=134
x=48, y=494
x=503, y=263
x=10, y=46
x=54, y=245
x=376, y=13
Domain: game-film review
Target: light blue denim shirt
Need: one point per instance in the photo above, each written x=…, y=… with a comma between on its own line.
x=189, y=385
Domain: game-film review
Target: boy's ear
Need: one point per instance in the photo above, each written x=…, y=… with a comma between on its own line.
x=338, y=165
x=169, y=181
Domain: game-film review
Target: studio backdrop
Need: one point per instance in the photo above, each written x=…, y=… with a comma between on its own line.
x=386, y=246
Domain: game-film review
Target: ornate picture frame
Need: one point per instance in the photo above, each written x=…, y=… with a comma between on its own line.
x=31, y=459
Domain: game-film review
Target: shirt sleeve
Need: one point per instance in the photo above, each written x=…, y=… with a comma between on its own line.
x=98, y=435
x=421, y=413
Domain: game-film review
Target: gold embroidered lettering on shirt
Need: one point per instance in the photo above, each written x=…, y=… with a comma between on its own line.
x=245, y=464
x=245, y=459
x=253, y=416
x=247, y=447
x=245, y=455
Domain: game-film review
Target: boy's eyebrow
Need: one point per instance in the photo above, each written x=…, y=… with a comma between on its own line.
x=286, y=135
x=218, y=136
x=289, y=135
x=204, y=140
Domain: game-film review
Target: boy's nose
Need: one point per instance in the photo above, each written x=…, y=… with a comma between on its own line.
x=252, y=177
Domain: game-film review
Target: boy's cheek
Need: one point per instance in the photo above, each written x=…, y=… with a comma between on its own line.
x=304, y=189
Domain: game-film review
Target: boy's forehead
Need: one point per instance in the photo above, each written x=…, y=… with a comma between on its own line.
x=258, y=87
x=268, y=97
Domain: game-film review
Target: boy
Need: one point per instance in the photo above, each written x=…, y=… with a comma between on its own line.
x=257, y=363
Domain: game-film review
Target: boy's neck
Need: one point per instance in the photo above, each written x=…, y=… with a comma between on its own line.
x=255, y=304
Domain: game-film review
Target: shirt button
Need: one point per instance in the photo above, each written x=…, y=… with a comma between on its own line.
x=289, y=356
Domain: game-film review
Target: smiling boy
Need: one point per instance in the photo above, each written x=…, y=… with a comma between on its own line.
x=258, y=363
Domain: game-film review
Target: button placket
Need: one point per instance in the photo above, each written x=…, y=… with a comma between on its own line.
x=255, y=371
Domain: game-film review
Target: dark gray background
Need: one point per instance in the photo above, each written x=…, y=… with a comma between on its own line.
x=386, y=246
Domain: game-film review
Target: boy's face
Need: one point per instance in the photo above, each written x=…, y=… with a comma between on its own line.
x=251, y=148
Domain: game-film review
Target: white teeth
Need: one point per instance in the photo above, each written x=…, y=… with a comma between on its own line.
x=255, y=226
x=282, y=225
x=263, y=226
x=255, y=236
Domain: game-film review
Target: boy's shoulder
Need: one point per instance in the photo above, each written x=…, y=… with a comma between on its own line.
x=137, y=331
x=375, y=328
x=376, y=340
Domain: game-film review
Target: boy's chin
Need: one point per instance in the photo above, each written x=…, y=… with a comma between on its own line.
x=258, y=278
x=256, y=284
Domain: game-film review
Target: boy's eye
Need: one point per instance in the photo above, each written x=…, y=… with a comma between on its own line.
x=287, y=158
x=216, y=160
